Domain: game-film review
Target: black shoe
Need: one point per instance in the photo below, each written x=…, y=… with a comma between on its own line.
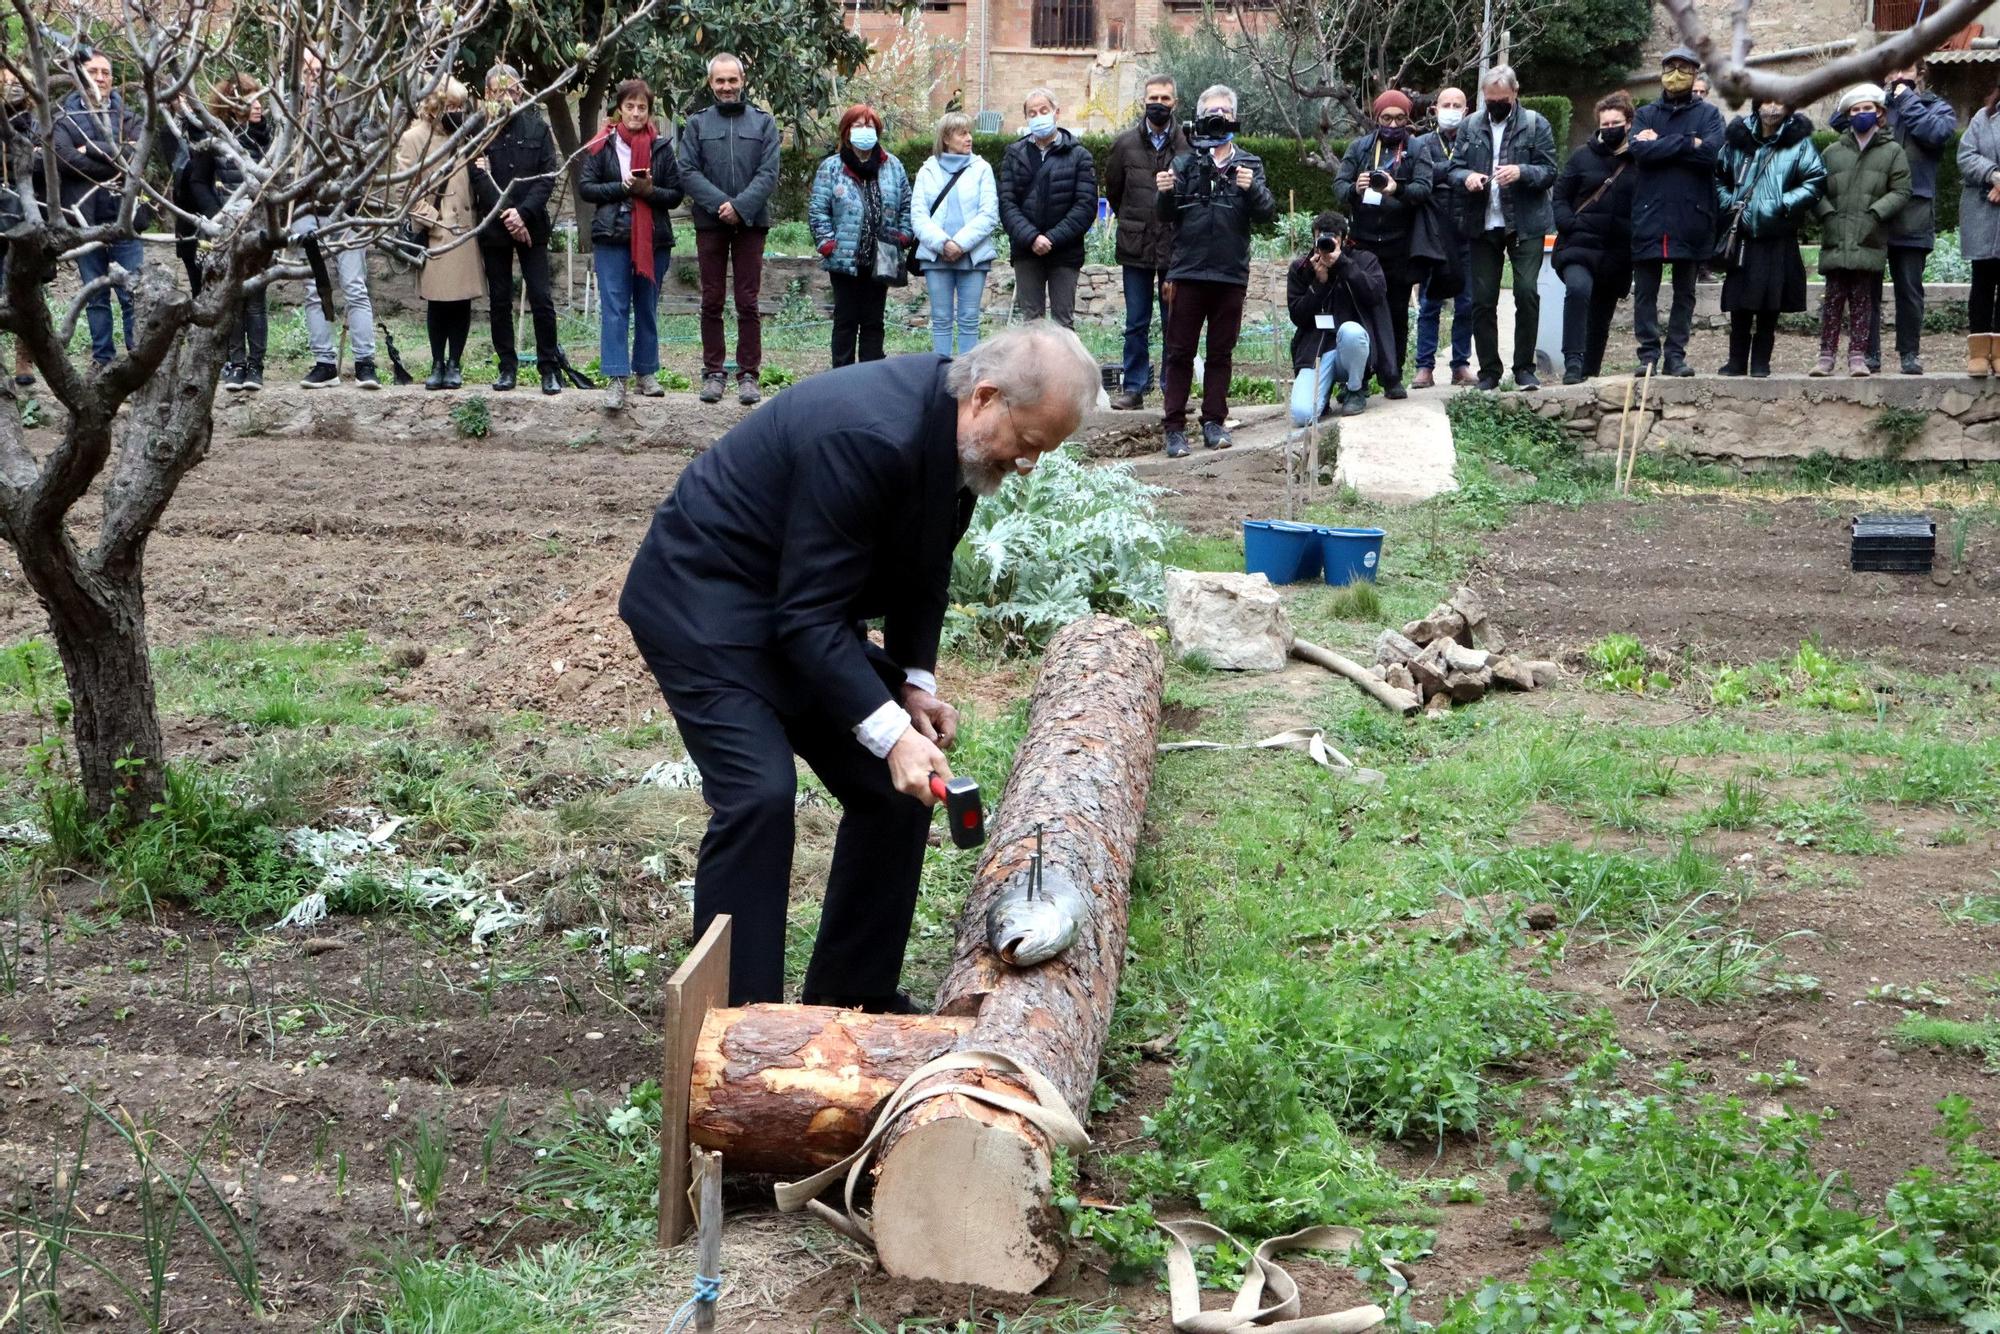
x=325, y=373
x=1215, y=436
x=1762, y=372
x=1525, y=382
x=1573, y=373
x=24, y=382
x=364, y=374
x=1131, y=400
x=899, y=1003
x=509, y=376
x=1487, y=383
x=1353, y=402
x=232, y=377
x=253, y=377
x=551, y=382
x=711, y=388
x=1911, y=366
x=1679, y=368
x=1874, y=365
x=1177, y=446
x=435, y=380
x=1396, y=390
x=1732, y=369
x=453, y=379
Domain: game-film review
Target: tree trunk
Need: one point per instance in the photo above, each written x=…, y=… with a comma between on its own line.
x=962, y=1189
x=789, y=1089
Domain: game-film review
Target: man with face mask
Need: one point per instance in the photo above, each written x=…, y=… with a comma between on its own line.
x=1923, y=123
x=511, y=185
x=729, y=167
x=1439, y=238
x=96, y=145
x=838, y=503
x=1384, y=185
x=1675, y=143
x=1145, y=239
x=1504, y=169
x=1048, y=199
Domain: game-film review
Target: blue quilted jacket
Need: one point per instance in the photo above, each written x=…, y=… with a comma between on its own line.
x=837, y=203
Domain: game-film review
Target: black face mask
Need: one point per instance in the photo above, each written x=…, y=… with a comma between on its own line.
x=1611, y=137
x=451, y=120
x=1499, y=110
x=1159, y=115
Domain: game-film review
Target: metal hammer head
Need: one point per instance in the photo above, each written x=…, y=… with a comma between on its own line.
x=963, y=810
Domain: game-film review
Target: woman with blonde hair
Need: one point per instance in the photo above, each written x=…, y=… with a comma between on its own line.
x=441, y=205
x=955, y=208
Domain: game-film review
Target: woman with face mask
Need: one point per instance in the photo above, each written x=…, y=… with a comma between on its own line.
x=860, y=219
x=1593, y=254
x=438, y=190
x=956, y=208
x=1979, y=232
x=1385, y=187
x=1867, y=184
x=1766, y=184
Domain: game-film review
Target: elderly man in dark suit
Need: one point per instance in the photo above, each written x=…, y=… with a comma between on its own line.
x=838, y=503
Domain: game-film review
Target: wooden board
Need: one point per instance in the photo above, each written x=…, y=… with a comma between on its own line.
x=699, y=985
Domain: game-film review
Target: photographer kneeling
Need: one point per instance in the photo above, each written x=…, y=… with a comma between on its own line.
x=1338, y=299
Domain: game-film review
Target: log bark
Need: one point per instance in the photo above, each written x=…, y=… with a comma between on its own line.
x=962, y=1189
x=1388, y=696
x=788, y=1089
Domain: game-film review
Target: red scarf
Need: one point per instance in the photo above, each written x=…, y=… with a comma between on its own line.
x=641, y=144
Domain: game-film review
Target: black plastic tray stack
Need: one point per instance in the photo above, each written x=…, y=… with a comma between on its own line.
x=1899, y=543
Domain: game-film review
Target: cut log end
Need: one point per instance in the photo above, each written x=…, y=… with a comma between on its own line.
x=965, y=1199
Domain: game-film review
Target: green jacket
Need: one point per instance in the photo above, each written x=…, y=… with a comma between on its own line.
x=1865, y=188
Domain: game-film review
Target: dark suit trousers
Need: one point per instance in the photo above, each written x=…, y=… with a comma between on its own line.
x=1646, y=275
x=1402, y=273
x=1906, y=271
x=534, y=258
x=744, y=747
x=1491, y=252
x=1220, y=307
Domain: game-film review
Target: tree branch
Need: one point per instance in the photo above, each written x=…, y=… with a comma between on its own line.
x=1731, y=74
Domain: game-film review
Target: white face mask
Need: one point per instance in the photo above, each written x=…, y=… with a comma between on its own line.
x=1449, y=117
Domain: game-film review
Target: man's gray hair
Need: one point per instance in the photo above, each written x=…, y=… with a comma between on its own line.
x=1503, y=75
x=1214, y=91
x=1027, y=363
x=1161, y=80
x=1036, y=92
x=724, y=58
x=502, y=70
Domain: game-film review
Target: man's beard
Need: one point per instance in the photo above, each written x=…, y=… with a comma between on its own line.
x=981, y=475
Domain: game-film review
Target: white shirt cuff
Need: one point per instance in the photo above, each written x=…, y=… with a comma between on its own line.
x=882, y=729
x=921, y=679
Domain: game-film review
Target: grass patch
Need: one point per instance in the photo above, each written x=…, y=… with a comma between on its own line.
x=562, y=1286
x=1980, y=1037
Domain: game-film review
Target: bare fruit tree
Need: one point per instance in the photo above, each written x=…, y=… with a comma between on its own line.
x=340, y=81
x=1727, y=61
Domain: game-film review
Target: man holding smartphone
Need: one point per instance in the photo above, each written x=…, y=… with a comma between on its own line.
x=1384, y=186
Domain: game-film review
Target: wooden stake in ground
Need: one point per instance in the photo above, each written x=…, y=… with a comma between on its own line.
x=1639, y=434
x=1388, y=696
x=962, y=1188
x=707, y=1169
x=1624, y=421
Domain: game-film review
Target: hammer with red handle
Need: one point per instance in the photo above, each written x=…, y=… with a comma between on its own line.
x=963, y=811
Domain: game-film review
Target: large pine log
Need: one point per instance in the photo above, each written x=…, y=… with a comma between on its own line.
x=962, y=1189
x=788, y=1089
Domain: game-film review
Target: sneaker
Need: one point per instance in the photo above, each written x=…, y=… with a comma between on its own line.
x=614, y=395
x=747, y=392
x=1677, y=368
x=1573, y=373
x=648, y=385
x=1462, y=376
x=1911, y=366
x=1526, y=382
x=323, y=374
x=1824, y=366
x=232, y=376
x=1487, y=383
x=1396, y=390
x=1732, y=369
x=1353, y=402
x=364, y=374
x=253, y=377
x=1177, y=446
x=1858, y=368
x=1214, y=435
x=1425, y=379
x=1131, y=400
x=711, y=388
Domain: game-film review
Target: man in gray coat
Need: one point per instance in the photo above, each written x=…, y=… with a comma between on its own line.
x=1505, y=166
x=729, y=167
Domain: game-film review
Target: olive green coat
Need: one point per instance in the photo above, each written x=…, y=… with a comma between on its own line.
x=1865, y=188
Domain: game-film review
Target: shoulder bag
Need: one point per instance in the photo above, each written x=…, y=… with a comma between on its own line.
x=916, y=261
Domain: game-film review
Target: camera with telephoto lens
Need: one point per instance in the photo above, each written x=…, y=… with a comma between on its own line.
x=1378, y=180
x=1327, y=242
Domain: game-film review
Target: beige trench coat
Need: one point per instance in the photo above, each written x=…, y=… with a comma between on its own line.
x=457, y=274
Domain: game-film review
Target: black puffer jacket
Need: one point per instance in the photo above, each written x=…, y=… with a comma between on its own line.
x=603, y=187
x=1215, y=216
x=1386, y=226
x=520, y=172
x=1356, y=290
x=1054, y=197
x=213, y=175
x=1596, y=232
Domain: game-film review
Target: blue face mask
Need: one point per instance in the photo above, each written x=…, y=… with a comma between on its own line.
x=1042, y=126
x=954, y=161
x=1863, y=121
x=863, y=138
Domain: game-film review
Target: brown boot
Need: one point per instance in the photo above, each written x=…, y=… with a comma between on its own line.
x=1462, y=375
x=1423, y=380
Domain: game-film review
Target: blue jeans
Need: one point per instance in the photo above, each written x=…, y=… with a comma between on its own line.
x=94, y=264
x=955, y=296
x=1429, y=311
x=1342, y=366
x=628, y=312
x=1141, y=285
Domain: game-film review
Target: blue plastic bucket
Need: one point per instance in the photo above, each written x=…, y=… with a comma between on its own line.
x=1348, y=554
x=1282, y=552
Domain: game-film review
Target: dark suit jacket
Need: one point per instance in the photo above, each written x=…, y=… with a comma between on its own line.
x=837, y=502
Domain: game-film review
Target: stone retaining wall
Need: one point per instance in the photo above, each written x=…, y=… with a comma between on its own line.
x=1775, y=422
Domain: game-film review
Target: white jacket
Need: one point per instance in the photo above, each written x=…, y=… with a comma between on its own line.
x=979, y=199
